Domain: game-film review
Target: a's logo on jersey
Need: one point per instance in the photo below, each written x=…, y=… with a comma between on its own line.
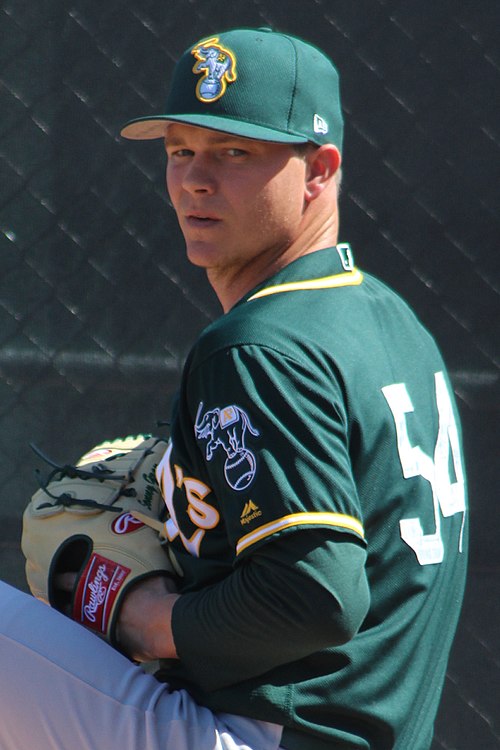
x=218, y=66
x=226, y=428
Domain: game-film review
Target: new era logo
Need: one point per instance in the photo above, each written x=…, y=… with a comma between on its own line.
x=320, y=125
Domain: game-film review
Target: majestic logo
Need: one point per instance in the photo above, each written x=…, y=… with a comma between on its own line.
x=218, y=66
x=250, y=513
x=226, y=428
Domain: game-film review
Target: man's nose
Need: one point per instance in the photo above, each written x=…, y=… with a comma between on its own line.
x=199, y=176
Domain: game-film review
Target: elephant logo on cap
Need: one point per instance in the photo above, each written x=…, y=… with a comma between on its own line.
x=218, y=65
x=226, y=428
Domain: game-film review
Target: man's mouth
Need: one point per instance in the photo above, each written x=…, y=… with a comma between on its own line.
x=201, y=220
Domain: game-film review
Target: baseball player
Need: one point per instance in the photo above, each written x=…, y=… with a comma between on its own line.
x=314, y=478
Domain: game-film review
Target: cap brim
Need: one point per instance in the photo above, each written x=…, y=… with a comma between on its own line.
x=148, y=128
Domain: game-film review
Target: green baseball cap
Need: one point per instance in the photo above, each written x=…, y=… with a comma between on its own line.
x=253, y=83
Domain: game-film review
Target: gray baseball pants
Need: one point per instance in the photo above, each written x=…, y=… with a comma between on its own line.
x=63, y=688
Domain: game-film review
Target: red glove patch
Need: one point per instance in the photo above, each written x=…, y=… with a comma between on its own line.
x=98, y=587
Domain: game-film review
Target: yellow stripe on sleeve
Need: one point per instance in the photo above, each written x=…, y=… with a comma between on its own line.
x=338, y=520
x=352, y=278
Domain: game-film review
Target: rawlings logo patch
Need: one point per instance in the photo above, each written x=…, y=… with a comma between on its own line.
x=97, y=590
x=226, y=428
x=218, y=65
x=125, y=523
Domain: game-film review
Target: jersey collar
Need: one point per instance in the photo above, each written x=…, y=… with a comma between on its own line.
x=303, y=273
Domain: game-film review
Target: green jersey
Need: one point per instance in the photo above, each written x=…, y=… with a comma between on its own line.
x=317, y=503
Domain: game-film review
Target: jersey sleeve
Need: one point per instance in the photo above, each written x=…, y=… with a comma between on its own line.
x=273, y=433
x=294, y=597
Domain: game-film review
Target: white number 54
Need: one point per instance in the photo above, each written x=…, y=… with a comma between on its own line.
x=448, y=496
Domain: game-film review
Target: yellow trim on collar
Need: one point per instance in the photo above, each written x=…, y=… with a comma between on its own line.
x=351, y=278
x=338, y=520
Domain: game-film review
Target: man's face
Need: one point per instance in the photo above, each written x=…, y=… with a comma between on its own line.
x=239, y=202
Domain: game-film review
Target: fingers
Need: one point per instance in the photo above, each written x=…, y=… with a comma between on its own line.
x=65, y=581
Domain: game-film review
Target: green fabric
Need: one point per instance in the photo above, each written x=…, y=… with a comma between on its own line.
x=314, y=372
x=266, y=613
x=258, y=84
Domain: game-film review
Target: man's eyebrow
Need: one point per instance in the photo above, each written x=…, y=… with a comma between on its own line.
x=173, y=141
x=216, y=139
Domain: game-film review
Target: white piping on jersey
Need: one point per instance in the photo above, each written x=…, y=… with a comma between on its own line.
x=351, y=278
x=297, y=519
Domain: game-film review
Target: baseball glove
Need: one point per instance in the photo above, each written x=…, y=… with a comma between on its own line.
x=100, y=519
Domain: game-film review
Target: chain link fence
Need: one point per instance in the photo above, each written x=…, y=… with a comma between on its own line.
x=98, y=305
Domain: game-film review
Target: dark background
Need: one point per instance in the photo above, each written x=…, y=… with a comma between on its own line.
x=98, y=305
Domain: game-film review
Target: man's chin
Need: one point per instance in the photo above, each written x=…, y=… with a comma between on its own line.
x=201, y=254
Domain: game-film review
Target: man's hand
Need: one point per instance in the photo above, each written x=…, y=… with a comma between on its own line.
x=143, y=630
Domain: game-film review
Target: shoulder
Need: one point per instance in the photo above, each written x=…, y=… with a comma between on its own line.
x=315, y=310
x=249, y=325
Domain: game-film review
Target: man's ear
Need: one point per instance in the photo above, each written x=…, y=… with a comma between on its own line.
x=323, y=164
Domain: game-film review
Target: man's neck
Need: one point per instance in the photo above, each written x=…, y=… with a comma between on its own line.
x=230, y=289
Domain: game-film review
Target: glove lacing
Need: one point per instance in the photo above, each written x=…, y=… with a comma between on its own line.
x=98, y=471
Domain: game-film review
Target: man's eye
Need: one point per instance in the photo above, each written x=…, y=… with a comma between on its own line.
x=178, y=153
x=236, y=152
